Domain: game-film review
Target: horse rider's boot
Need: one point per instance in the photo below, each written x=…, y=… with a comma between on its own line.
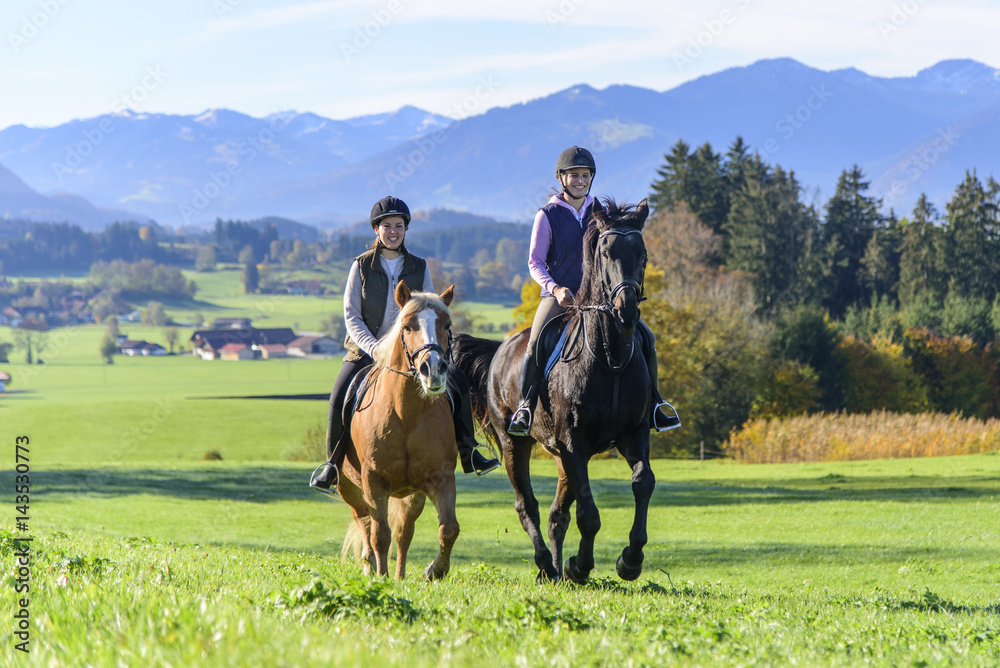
x=520, y=422
x=327, y=475
x=473, y=461
x=659, y=419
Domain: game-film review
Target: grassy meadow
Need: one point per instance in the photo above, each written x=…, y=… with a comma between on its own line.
x=145, y=553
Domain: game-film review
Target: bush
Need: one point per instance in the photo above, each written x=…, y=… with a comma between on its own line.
x=311, y=447
x=806, y=335
x=880, y=377
x=960, y=375
x=790, y=389
x=880, y=319
x=967, y=316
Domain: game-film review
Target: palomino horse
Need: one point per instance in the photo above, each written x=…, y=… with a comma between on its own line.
x=598, y=397
x=403, y=439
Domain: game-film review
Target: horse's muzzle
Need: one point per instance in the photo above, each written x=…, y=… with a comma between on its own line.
x=625, y=306
x=432, y=373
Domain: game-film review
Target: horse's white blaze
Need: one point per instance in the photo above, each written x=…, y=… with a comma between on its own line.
x=434, y=382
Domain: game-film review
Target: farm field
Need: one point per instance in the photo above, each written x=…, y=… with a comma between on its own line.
x=145, y=553
x=235, y=563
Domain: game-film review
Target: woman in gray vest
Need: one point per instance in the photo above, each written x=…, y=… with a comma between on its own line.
x=369, y=311
x=555, y=262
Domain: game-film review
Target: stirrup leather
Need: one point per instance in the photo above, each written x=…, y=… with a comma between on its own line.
x=672, y=420
x=313, y=483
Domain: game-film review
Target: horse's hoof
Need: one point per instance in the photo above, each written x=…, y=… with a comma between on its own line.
x=628, y=571
x=544, y=577
x=430, y=575
x=572, y=573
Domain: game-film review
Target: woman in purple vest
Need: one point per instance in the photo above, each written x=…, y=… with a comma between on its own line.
x=555, y=261
x=369, y=312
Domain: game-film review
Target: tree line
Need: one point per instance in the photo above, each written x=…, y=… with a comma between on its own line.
x=29, y=247
x=767, y=306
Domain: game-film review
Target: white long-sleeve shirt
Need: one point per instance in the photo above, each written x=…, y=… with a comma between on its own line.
x=356, y=327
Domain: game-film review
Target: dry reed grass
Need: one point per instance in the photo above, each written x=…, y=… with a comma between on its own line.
x=879, y=435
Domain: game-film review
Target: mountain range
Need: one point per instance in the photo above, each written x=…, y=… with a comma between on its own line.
x=909, y=134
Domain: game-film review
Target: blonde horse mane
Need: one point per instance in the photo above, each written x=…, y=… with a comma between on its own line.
x=418, y=302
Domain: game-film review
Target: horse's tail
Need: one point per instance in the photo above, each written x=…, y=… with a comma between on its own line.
x=354, y=541
x=473, y=356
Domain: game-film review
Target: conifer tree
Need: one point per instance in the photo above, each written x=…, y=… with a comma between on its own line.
x=970, y=256
x=770, y=233
x=851, y=219
x=919, y=241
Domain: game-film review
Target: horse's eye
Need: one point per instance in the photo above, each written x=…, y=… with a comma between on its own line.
x=407, y=329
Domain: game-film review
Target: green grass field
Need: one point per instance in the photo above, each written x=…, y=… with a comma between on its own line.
x=146, y=554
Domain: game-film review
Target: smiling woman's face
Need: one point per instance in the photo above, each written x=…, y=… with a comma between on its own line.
x=576, y=181
x=391, y=232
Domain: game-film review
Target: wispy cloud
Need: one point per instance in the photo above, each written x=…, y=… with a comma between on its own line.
x=243, y=18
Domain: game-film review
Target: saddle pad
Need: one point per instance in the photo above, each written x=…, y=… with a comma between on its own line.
x=556, y=352
x=356, y=392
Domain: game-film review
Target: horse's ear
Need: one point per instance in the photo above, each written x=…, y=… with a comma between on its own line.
x=448, y=295
x=402, y=293
x=642, y=210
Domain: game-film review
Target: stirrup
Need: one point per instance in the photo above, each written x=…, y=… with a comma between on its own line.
x=315, y=484
x=671, y=421
x=493, y=462
x=517, y=430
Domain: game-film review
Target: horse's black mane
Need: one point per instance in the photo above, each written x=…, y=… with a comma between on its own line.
x=611, y=216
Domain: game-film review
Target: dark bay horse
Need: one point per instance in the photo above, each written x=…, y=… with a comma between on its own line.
x=597, y=397
x=403, y=439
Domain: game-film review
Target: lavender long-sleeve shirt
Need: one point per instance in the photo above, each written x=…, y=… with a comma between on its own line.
x=541, y=239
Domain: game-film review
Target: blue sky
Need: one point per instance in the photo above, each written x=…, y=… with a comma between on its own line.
x=65, y=59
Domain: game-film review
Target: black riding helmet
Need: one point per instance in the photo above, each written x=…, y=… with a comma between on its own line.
x=390, y=206
x=576, y=156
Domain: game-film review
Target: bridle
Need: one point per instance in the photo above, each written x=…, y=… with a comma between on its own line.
x=411, y=357
x=609, y=296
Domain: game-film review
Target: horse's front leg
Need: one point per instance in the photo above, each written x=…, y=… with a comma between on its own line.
x=629, y=564
x=588, y=518
x=404, y=514
x=381, y=534
x=559, y=517
x=519, y=471
x=441, y=489
x=353, y=496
